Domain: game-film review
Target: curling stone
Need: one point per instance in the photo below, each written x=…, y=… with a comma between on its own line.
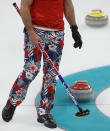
x=96, y=18
x=82, y=91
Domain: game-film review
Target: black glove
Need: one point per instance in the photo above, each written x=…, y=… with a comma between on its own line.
x=76, y=36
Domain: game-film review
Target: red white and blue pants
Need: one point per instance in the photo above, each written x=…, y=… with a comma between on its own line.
x=53, y=42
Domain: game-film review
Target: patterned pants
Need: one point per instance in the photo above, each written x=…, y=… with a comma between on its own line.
x=52, y=41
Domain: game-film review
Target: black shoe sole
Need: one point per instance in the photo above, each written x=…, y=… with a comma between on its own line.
x=42, y=121
x=55, y=126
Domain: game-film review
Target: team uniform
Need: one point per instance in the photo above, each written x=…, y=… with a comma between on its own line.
x=47, y=20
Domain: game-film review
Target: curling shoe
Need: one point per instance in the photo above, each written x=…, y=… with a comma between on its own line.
x=8, y=111
x=48, y=121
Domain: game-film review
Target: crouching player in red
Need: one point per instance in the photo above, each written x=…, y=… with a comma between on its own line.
x=43, y=20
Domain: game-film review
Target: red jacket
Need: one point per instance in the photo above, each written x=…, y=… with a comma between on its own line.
x=47, y=13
